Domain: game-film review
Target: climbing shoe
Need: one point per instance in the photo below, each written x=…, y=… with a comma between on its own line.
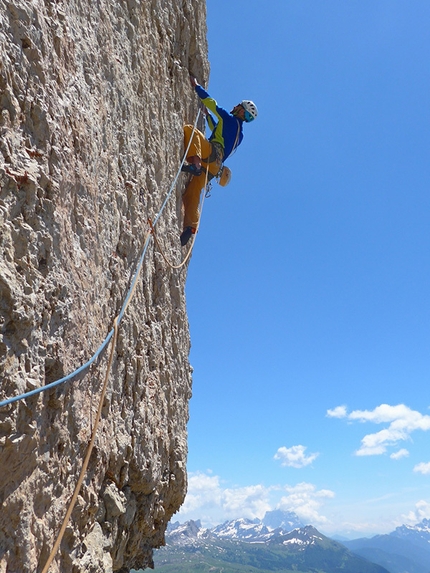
x=186, y=235
x=191, y=168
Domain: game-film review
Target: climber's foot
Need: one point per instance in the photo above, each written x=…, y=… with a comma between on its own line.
x=186, y=235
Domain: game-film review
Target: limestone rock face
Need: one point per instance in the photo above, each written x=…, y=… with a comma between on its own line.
x=93, y=97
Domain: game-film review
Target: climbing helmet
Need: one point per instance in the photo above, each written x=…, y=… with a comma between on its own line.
x=250, y=108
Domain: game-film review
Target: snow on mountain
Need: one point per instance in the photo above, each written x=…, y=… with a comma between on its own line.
x=185, y=533
x=303, y=537
x=274, y=524
x=242, y=529
x=418, y=534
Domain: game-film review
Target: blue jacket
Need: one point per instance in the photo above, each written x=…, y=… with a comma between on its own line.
x=228, y=130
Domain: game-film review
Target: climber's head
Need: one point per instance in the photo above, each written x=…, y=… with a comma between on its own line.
x=250, y=108
x=246, y=110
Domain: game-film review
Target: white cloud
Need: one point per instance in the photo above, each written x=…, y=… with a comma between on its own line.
x=250, y=501
x=422, y=468
x=369, y=528
x=376, y=444
x=203, y=490
x=207, y=500
x=305, y=500
x=212, y=503
x=338, y=412
x=295, y=456
x=401, y=416
x=401, y=420
x=421, y=511
x=403, y=453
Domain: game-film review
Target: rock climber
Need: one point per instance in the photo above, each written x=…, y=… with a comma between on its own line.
x=209, y=154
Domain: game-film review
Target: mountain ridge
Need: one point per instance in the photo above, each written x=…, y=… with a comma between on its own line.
x=280, y=537
x=250, y=546
x=274, y=523
x=407, y=548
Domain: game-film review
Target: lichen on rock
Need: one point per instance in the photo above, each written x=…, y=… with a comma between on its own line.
x=93, y=97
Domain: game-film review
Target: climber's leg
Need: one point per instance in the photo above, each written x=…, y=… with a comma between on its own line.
x=199, y=147
x=191, y=199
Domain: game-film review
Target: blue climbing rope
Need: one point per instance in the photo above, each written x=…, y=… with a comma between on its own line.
x=127, y=299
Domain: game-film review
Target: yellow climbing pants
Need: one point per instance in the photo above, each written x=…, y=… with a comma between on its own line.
x=211, y=160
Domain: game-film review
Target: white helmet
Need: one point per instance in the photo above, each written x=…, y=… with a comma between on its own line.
x=251, y=109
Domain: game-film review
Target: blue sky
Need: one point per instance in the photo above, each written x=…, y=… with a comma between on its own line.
x=308, y=290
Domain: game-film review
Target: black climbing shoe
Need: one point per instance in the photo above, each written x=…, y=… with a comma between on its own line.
x=186, y=235
x=191, y=168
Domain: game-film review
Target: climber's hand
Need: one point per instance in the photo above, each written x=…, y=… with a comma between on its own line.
x=193, y=81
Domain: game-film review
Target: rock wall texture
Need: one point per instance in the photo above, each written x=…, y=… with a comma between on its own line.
x=93, y=97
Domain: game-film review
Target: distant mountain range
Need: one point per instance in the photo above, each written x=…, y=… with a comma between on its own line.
x=279, y=543
x=405, y=550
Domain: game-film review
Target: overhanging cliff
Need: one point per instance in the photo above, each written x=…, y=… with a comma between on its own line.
x=93, y=97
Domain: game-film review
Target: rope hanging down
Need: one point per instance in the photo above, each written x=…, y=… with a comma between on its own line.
x=127, y=300
x=87, y=456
